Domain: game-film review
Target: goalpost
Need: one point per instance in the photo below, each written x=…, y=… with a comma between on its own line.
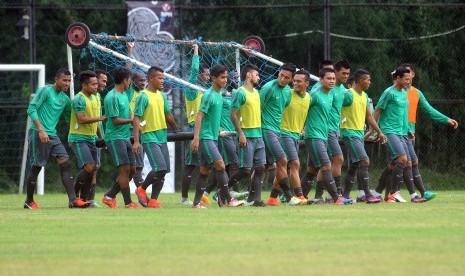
x=40, y=68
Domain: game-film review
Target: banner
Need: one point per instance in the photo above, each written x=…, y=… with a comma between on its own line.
x=150, y=20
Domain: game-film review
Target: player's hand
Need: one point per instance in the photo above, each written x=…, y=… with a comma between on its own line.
x=382, y=138
x=195, y=145
x=367, y=135
x=103, y=118
x=411, y=136
x=453, y=123
x=136, y=147
x=43, y=136
x=242, y=140
x=196, y=49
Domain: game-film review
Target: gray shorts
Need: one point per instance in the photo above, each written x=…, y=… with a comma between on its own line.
x=158, y=155
x=334, y=148
x=290, y=146
x=274, y=150
x=209, y=152
x=39, y=152
x=252, y=154
x=412, y=155
x=121, y=152
x=85, y=151
x=355, y=149
x=228, y=147
x=396, y=146
x=190, y=158
x=139, y=156
x=317, y=152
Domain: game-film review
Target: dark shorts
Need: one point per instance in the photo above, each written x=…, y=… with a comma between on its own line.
x=356, y=149
x=317, y=152
x=121, y=152
x=274, y=150
x=228, y=147
x=290, y=146
x=98, y=157
x=139, y=156
x=396, y=146
x=190, y=158
x=209, y=152
x=158, y=155
x=85, y=151
x=334, y=148
x=412, y=155
x=253, y=154
x=39, y=152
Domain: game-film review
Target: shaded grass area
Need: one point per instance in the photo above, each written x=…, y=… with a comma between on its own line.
x=360, y=239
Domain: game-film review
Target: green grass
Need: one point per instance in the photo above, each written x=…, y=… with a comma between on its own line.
x=406, y=239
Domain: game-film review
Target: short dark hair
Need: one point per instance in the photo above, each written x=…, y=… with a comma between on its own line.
x=325, y=63
x=358, y=75
x=203, y=66
x=85, y=76
x=99, y=72
x=288, y=67
x=62, y=71
x=305, y=73
x=408, y=65
x=351, y=79
x=136, y=75
x=153, y=70
x=217, y=70
x=248, y=68
x=400, y=72
x=341, y=64
x=323, y=72
x=120, y=74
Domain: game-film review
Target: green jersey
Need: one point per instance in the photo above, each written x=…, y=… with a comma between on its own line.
x=47, y=106
x=117, y=106
x=338, y=92
x=394, y=105
x=317, y=122
x=273, y=100
x=315, y=88
x=211, y=106
x=225, y=123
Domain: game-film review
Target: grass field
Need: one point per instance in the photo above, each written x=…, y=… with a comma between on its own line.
x=389, y=239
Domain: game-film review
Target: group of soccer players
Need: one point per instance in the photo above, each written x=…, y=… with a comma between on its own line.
x=239, y=133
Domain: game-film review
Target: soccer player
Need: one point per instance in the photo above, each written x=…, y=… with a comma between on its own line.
x=292, y=125
x=151, y=114
x=355, y=112
x=137, y=85
x=102, y=84
x=45, y=109
x=206, y=131
x=83, y=133
x=275, y=96
x=193, y=100
x=391, y=113
x=117, y=138
x=316, y=135
x=245, y=116
x=417, y=99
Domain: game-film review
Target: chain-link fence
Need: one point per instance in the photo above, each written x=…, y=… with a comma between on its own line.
x=373, y=36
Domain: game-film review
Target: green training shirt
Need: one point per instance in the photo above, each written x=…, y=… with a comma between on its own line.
x=317, y=122
x=211, y=106
x=335, y=114
x=117, y=106
x=273, y=101
x=429, y=110
x=226, y=123
x=47, y=106
x=394, y=105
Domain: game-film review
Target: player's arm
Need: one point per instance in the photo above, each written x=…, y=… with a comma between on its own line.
x=140, y=106
x=198, y=124
x=136, y=144
x=113, y=112
x=36, y=102
x=79, y=105
x=194, y=74
x=237, y=101
x=348, y=98
x=370, y=120
x=171, y=122
x=434, y=113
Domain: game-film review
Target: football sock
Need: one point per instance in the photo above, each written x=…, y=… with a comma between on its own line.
x=186, y=180
x=158, y=181
x=67, y=179
x=298, y=191
x=337, y=180
x=397, y=176
x=200, y=187
x=417, y=180
x=32, y=182
x=84, y=181
x=114, y=190
x=257, y=184
x=92, y=192
x=408, y=179
x=349, y=181
x=126, y=192
x=149, y=180
x=307, y=183
x=275, y=193
x=222, y=184
x=329, y=184
x=286, y=187
x=271, y=175
x=211, y=184
x=364, y=178
x=138, y=177
x=382, y=182
x=232, y=169
x=319, y=189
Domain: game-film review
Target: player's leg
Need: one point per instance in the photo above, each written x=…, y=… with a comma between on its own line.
x=93, y=186
x=228, y=148
x=38, y=156
x=191, y=161
x=398, y=157
x=310, y=174
x=291, y=148
x=86, y=153
x=417, y=179
x=337, y=159
x=363, y=176
x=139, y=167
x=258, y=160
